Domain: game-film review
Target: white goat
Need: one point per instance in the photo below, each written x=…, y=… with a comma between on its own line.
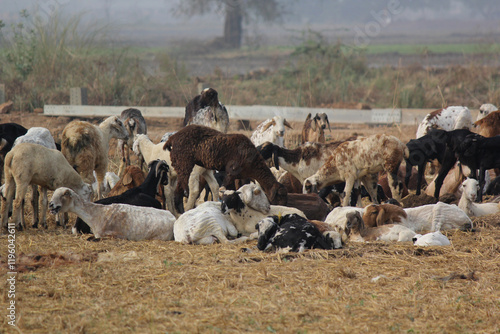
x=450, y=118
x=431, y=239
x=40, y=136
x=485, y=109
x=470, y=187
x=150, y=151
x=205, y=224
x=271, y=130
x=86, y=146
x=116, y=220
x=249, y=205
x=29, y=164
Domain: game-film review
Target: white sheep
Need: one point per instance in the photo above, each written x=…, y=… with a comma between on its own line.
x=116, y=220
x=337, y=219
x=151, y=151
x=358, y=232
x=361, y=160
x=470, y=188
x=29, y=164
x=249, y=205
x=431, y=239
x=485, y=109
x=40, y=136
x=86, y=146
x=431, y=217
x=450, y=118
x=205, y=224
x=271, y=130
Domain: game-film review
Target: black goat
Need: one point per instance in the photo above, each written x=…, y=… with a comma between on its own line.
x=291, y=232
x=143, y=195
x=8, y=134
x=478, y=152
x=423, y=150
x=452, y=140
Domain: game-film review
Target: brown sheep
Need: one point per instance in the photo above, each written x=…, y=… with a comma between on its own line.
x=382, y=214
x=86, y=147
x=314, y=129
x=132, y=177
x=233, y=153
x=489, y=125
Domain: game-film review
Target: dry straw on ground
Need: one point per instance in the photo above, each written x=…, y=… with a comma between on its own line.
x=69, y=284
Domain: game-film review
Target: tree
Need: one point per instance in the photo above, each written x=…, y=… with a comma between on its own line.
x=236, y=13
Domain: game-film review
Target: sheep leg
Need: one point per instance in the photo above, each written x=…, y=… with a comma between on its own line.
x=100, y=182
x=44, y=204
x=370, y=183
x=420, y=177
x=212, y=183
x=7, y=201
x=194, y=188
x=449, y=161
x=34, y=204
x=349, y=184
x=482, y=175
x=17, y=204
x=392, y=178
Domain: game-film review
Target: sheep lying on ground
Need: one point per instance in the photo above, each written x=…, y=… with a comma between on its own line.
x=86, y=146
x=361, y=159
x=116, y=220
x=206, y=109
x=431, y=217
x=29, y=164
x=431, y=239
x=484, y=110
x=450, y=118
x=337, y=219
x=271, y=130
x=233, y=153
x=135, y=124
x=249, y=205
x=290, y=232
x=205, y=224
x=314, y=129
x=142, y=195
x=358, y=232
x=150, y=151
x=470, y=189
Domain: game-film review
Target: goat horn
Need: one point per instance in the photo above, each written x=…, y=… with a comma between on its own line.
x=327, y=122
x=285, y=123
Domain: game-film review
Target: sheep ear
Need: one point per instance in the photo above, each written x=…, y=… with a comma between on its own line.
x=380, y=217
x=268, y=125
x=127, y=179
x=328, y=122
x=313, y=124
x=308, y=117
x=285, y=123
x=256, y=191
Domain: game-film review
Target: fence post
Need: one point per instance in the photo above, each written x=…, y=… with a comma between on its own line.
x=78, y=96
x=2, y=93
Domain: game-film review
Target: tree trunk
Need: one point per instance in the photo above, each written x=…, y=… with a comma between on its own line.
x=233, y=24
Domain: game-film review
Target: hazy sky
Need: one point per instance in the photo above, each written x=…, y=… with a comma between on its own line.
x=150, y=20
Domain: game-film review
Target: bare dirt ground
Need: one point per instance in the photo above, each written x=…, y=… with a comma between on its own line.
x=67, y=284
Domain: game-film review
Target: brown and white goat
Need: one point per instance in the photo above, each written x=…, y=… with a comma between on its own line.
x=314, y=129
x=359, y=232
x=233, y=153
x=489, y=126
x=431, y=217
x=132, y=177
x=362, y=160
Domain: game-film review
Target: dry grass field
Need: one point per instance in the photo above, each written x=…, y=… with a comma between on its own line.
x=67, y=284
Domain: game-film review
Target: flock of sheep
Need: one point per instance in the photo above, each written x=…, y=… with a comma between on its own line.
x=286, y=207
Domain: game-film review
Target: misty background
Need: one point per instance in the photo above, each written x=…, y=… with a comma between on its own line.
x=154, y=23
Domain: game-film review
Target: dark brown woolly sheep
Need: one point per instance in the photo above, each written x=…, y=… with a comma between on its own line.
x=233, y=153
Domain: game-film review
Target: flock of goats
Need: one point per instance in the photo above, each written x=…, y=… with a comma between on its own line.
x=286, y=207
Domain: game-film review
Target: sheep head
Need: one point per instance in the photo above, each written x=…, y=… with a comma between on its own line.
x=62, y=200
x=115, y=127
x=253, y=196
x=470, y=189
x=277, y=194
x=278, y=123
x=321, y=120
x=382, y=214
x=209, y=97
x=354, y=222
x=268, y=150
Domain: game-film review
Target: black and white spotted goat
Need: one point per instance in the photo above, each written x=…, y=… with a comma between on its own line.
x=291, y=233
